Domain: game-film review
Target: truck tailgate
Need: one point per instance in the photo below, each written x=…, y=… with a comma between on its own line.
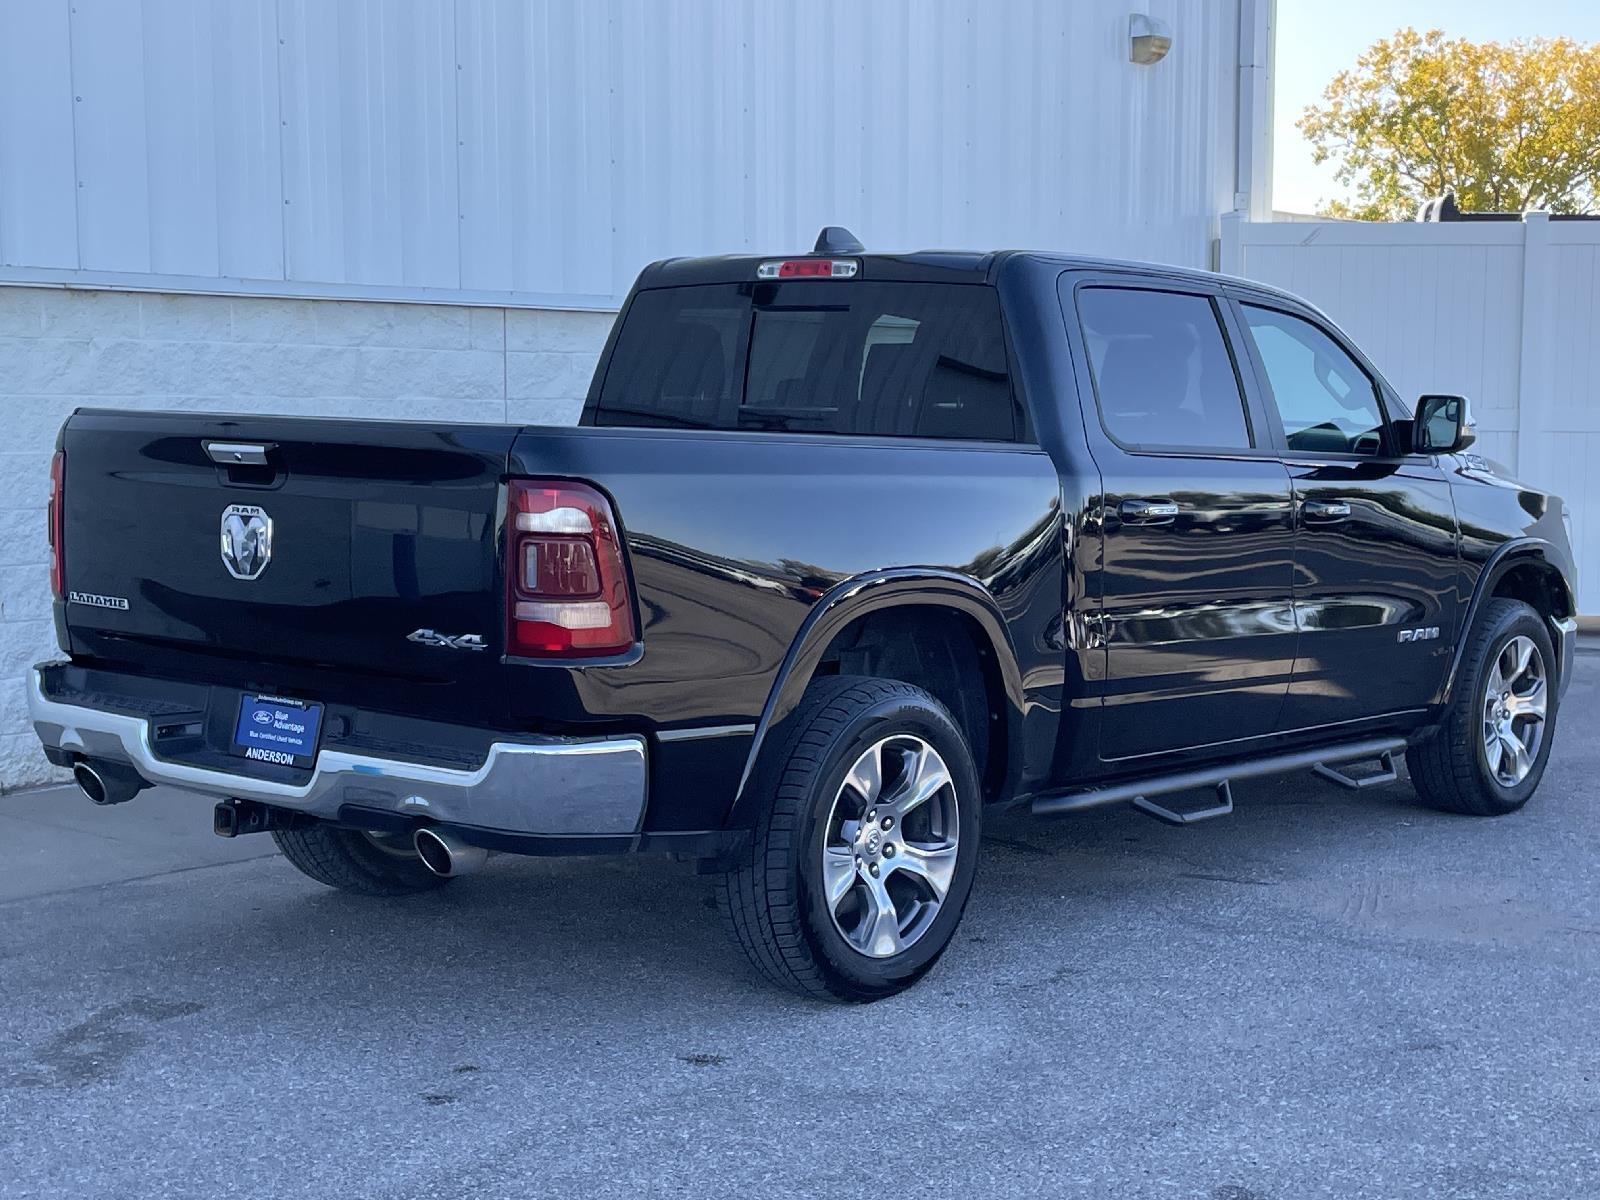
x=378, y=530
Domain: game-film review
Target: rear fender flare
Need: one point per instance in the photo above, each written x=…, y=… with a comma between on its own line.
x=867, y=593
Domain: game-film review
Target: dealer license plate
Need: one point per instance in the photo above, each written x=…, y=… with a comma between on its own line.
x=273, y=729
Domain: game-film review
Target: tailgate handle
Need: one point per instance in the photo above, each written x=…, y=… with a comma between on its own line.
x=240, y=454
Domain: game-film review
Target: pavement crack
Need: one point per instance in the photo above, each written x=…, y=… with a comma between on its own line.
x=92, y=887
x=1227, y=879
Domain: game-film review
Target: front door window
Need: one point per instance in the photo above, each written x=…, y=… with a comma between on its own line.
x=1326, y=402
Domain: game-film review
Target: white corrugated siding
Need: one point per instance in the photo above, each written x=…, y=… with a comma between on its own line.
x=543, y=151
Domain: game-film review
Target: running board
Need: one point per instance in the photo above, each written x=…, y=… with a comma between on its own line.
x=1143, y=790
x=1385, y=773
x=1174, y=816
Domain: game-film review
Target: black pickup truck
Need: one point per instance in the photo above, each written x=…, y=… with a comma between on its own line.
x=847, y=549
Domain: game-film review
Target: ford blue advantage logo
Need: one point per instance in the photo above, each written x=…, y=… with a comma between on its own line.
x=272, y=729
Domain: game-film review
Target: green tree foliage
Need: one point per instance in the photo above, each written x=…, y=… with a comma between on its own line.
x=1506, y=127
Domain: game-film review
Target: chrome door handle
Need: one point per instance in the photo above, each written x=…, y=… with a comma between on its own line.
x=1324, y=510
x=1147, y=512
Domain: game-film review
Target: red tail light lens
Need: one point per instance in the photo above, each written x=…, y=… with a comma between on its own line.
x=58, y=467
x=567, y=587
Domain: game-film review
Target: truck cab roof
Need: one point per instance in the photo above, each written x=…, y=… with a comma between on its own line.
x=930, y=266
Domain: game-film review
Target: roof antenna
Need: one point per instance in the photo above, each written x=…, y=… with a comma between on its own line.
x=836, y=239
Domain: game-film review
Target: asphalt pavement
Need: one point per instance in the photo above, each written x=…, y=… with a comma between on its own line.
x=1327, y=994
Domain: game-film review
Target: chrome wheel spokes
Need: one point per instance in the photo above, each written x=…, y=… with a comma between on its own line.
x=936, y=868
x=890, y=847
x=1515, y=700
x=925, y=778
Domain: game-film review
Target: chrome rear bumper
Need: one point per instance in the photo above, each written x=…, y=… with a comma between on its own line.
x=540, y=786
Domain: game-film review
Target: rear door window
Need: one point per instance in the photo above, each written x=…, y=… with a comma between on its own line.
x=834, y=356
x=1163, y=374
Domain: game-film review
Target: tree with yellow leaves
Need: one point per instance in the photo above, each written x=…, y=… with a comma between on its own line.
x=1506, y=127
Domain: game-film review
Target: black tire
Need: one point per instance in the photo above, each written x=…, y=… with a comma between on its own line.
x=772, y=902
x=348, y=860
x=1451, y=770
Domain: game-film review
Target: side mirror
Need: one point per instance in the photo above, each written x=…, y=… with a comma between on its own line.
x=1443, y=425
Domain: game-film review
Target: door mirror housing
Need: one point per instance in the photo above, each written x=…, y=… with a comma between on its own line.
x=1443, y=425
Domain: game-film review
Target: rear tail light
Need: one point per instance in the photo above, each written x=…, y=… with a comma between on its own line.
x=58, y=466
x=567, y=588
x=809, y=268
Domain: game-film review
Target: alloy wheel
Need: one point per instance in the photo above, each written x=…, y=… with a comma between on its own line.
x=1514, y=703
x=889, y=849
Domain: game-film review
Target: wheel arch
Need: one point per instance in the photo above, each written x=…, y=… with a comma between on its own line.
x=1519, y=570
x=915, y=596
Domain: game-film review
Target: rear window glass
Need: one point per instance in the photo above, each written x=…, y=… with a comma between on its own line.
x=890, y=359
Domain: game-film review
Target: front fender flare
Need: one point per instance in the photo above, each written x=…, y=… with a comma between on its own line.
x=872, y=592
x=1505, y=557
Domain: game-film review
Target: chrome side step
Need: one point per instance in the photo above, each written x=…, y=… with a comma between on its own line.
x=1140, y=792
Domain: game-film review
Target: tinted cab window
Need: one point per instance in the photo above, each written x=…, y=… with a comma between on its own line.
x=855, y=357
x=1326, y=402
x=1162, y=371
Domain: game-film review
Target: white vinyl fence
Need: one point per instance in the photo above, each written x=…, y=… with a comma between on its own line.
x=1504, y=312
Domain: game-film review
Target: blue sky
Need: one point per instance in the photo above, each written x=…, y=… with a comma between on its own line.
x=1319, y=38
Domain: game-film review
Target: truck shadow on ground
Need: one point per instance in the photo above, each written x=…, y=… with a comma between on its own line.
x=591, y=931
x=590, y=953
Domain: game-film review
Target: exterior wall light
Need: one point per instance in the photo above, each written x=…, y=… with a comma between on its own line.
x=1149, y=39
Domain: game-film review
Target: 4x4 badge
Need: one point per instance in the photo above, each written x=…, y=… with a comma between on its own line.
x=459, y=641
x=246, y=540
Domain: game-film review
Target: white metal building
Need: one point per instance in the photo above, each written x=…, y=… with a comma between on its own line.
x=431, y=208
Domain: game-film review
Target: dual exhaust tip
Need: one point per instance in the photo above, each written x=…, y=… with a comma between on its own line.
x=107, y=782
x=442, y=853
x=445, y=854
